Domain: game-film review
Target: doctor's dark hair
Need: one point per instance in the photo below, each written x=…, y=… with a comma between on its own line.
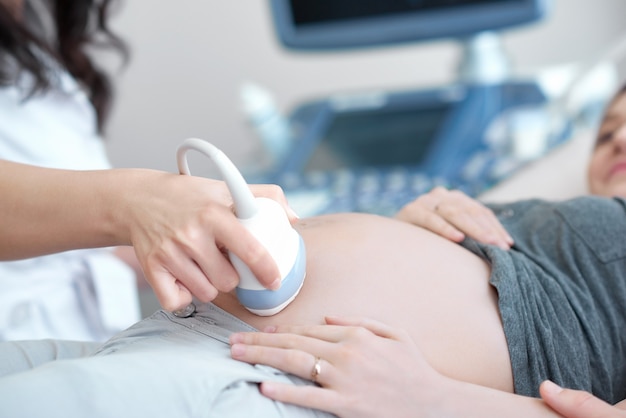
x=78, y=26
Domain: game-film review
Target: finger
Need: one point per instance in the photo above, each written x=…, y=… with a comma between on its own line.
x=295, y=361
x=291, y=214
x=469, y=216
x=423, y=212
x=411, y=211
x=234, y=236
x=376, y=327
x=275, y=192
x=305, y=396
x=271, y=191
x=328, y=333
x=575, y=403
x=174, y=277
x=486, y=217
x=473, y=218
x=171, y=294
x=309, y=337
x=215, y=268
x=434, y=222
x=186, y=270
x=439, y=193
x=416, y=214
x=476, y=225
x=312, y=339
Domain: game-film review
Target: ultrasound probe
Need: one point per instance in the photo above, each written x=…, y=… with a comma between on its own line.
x=267, y=220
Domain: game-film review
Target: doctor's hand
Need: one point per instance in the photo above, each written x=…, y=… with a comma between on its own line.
x=579, y=404
x=181, y=227
x=453, y=215
x=363, y=367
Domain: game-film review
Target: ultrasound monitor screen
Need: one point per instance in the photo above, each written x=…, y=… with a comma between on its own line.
x=366, y=139
x=338, y=24
x=321, y=11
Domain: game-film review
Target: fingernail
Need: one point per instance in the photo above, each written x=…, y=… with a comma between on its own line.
x=237, y=350
x=510, y=239
x=268, y=389
x=458, y=236
x=269, y=329
x=292, y=213
x=552, y=387
x=504, y=245
x=235, y=338
x=275, y=285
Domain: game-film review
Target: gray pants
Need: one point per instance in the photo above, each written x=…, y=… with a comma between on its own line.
x=163, y=366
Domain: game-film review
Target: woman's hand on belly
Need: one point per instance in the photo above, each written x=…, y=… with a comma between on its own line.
x=453, y=215
x=364, y=368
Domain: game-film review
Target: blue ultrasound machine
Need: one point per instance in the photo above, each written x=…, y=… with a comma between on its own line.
x=375, y=151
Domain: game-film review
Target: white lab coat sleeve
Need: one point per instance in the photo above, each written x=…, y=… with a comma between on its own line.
x=115, y=287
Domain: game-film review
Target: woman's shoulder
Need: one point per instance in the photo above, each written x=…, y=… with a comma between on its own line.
x=593, y=205
x=582, y=203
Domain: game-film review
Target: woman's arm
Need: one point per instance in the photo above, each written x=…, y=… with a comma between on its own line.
x=452, y=215
x=367, y=369
x=178, y=225
x=579, y=404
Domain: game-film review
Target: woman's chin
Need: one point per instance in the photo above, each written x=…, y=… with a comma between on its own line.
x=614, y=188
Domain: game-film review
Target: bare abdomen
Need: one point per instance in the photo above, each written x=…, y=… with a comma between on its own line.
x=405, y=276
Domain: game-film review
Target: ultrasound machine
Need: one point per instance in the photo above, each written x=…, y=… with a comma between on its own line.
x=376, y=151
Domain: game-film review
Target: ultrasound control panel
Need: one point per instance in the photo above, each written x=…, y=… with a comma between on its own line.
x=374, y=152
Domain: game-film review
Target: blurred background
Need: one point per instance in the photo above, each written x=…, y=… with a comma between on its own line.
x=190, y=58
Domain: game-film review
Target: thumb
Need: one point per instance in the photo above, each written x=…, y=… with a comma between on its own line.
x=575, y=403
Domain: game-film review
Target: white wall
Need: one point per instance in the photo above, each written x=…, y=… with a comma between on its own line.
x=189, y=57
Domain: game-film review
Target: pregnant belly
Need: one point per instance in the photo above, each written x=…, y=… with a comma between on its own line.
x=405, y=276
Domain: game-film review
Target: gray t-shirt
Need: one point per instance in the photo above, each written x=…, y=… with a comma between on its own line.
x=562, y=293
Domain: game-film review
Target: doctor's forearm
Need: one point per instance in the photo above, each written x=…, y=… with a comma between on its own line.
x=50, y=210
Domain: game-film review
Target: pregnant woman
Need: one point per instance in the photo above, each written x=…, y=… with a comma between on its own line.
x=482, y=316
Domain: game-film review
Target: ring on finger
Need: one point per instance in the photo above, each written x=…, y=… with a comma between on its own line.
x=316, y=370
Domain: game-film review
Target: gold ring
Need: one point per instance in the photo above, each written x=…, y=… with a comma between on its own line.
x=317, y=369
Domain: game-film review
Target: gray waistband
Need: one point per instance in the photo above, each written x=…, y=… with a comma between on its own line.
x=212, y=320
